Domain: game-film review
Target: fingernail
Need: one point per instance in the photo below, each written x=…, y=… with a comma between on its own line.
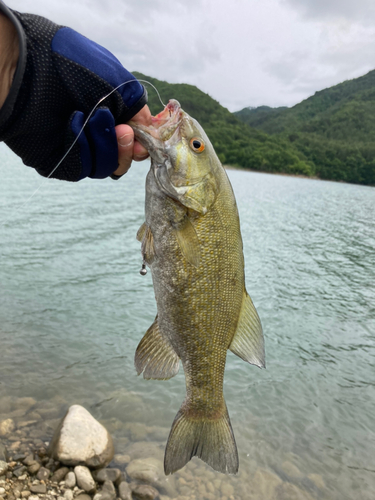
x=125, y=140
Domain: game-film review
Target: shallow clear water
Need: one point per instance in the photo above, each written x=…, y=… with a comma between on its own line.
x=73, y=308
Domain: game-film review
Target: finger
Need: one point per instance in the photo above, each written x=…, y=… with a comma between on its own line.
x=139, y=152
x=125, y=141
x=143, y=117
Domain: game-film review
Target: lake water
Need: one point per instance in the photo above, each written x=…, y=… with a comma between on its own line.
x=73, y=308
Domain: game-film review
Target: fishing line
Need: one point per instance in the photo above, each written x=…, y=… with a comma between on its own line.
x=75, y=140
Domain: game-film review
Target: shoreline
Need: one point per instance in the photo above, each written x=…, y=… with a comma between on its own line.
x=283, y=174
x=298, y=176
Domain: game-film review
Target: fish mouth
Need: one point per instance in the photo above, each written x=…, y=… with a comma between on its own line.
x=162, y=132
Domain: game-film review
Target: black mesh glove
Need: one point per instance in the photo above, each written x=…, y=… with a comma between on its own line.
x=60, y=77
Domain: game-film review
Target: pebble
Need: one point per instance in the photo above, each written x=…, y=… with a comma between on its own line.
x=83, y=496
x=29, y=460
x=40, y=489
x=2, y=491
x=19, y=471
x=107, y=492
x=70, y=480
x=43, y=474
x=25, y=494
x=59, y=475
x=68, y=495
x=3, y=467
x=84, y=478
x=125, y=493
x=33, y=497
x=34, y=468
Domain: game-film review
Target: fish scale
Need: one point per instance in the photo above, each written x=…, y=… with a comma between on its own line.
x=192, y=242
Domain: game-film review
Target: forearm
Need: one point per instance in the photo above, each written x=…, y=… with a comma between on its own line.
x=9, y=50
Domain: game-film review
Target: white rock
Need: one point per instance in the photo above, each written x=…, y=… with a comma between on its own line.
x=84, y=478
x=68, y=495
x=80, y=439
x=70, y=480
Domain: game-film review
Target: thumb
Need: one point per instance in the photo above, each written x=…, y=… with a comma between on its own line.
x=125, y=141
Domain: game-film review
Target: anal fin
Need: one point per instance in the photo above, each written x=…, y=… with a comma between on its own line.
x=155, y=356
x=248, y=341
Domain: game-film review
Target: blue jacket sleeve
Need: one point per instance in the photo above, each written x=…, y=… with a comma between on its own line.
x=61, y=76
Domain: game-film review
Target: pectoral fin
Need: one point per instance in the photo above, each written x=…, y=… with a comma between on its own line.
x=141, y=232
x=248, y=341
x=145, y=235
x=155, y=356
x=188, y=241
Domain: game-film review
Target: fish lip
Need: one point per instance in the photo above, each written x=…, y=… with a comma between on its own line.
x=161, y=134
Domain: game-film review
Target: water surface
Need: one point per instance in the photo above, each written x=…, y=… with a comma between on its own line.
x=73, y=308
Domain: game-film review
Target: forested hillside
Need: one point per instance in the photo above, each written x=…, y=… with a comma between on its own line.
x=330, y=135
x=236, y=143
x=334, y=129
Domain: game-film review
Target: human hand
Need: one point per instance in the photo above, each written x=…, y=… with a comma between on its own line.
x=128, y=148
x=62, y=79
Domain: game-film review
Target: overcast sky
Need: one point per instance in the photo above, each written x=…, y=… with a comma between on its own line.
x=241, y=52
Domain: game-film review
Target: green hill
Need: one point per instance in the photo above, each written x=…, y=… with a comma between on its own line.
x=334, y=129
x=236, y=143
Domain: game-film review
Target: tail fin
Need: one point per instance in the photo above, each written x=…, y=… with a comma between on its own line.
x=212, y=440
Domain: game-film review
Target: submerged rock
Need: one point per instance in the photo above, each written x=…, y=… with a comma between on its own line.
x=81, y=440
x=7, y=427
x=151, y=470
x=103, y=475
x=124, y=491
x=144, y=492
x=3, y=453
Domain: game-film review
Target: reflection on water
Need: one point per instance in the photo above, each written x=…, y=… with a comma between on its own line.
x=73, y=308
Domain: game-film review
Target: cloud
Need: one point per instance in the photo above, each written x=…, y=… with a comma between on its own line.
x=352, y=10
x=246, y=52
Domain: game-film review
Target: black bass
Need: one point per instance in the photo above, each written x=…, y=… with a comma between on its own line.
x=192, y=242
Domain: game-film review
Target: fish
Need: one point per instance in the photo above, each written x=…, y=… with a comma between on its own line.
x=191, y=241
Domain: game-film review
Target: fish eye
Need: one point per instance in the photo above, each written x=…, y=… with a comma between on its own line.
x=197, y=145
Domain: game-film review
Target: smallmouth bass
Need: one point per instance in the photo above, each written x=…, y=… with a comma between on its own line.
x=191, y=241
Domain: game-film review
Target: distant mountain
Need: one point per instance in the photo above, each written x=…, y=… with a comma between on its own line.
x=236, y=143
x=255, y=117
x=334, y=129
